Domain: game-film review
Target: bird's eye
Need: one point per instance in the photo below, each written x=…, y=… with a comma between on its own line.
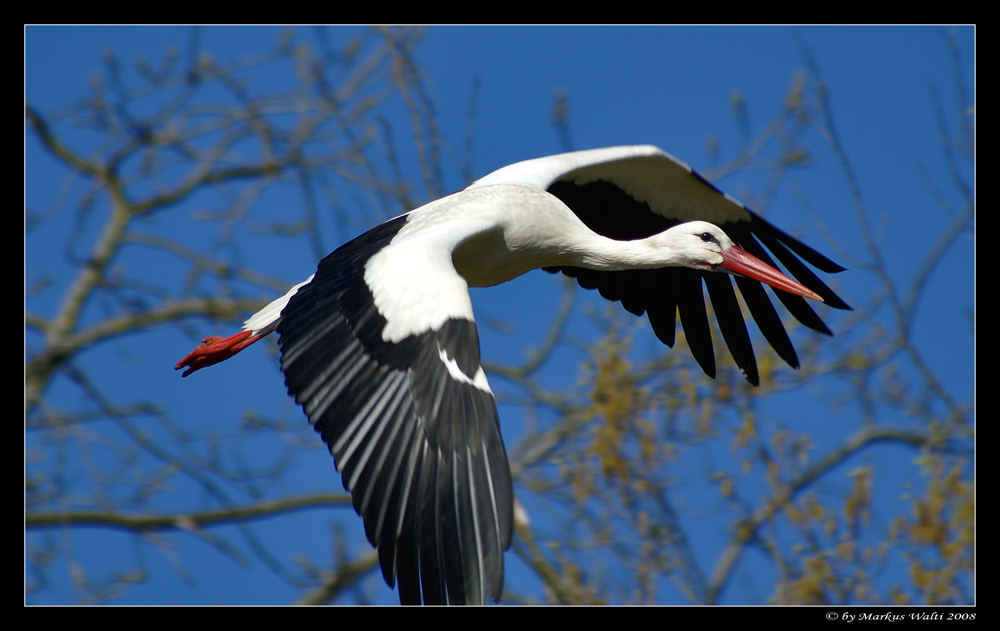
x=706, y=237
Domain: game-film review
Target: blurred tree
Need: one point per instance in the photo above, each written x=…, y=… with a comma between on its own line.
x=624, y=467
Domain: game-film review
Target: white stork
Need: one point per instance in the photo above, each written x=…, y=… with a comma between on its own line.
x=380, y=346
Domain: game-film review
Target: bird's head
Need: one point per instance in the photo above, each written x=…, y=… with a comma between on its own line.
x=704, y=246
x=696, y=244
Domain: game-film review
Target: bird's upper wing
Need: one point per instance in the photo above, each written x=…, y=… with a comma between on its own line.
x=408, y=417
x=628, y=193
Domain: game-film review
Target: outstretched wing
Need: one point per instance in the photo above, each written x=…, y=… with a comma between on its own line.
x=408, y=416
x=628, y=193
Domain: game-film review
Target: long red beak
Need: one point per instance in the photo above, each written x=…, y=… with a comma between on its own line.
x=741, y=262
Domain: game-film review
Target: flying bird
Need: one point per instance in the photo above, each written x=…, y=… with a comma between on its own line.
x=380, y=345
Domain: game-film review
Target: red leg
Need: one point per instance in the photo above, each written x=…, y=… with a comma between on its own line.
x=213, y=350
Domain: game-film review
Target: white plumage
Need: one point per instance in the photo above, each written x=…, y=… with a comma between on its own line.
x=380, y=345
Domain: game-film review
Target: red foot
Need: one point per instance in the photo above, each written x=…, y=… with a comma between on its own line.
x=213, y=350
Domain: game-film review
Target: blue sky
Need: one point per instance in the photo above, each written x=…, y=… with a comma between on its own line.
x=668, y=86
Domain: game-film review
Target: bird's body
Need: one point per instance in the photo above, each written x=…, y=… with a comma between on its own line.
x=380, y=346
